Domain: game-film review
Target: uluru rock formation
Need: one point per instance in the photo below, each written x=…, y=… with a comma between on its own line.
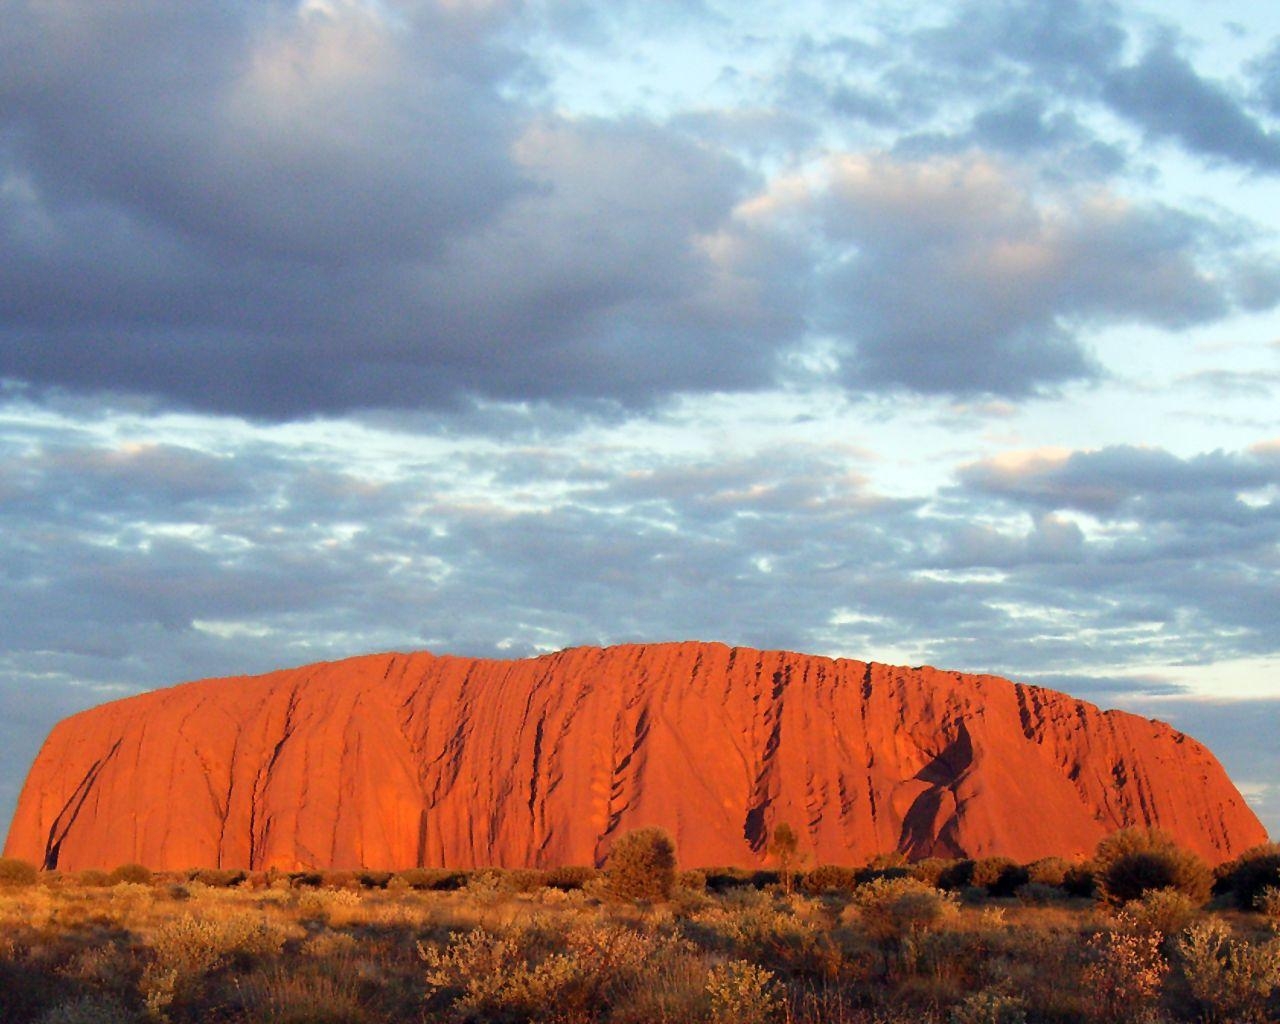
x=393, y=760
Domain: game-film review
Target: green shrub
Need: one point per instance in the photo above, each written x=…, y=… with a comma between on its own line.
x=1000, y=876
x=900, y=908
x=722, y=880
x=1245, y=877
x=1081, y=880
x=523, y=880
x=1268, y=903
x=1049, y=871
x=15, y=873
x=830, y=878
x=957, y=875
x=1161, y=912
x=1124, y=974
x=433, y=878
x=93, y=878
x=1037, y=894
x=187, y=948
x=218, y=878
x=134, y=874
x=570, y=877
x=929, y=870
x=1135, y=861
x=1231, y=980
x=642, y=866
x=871, y=874
x=373, y=879
x=490, y=977
x=743, y=993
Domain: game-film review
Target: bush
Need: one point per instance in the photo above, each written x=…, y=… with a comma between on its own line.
x=830, y=878
x=957, y=875
x=1268, y=904
x=93, y=878
x=1231, y=980
x=523, y=880
x=218, y=878
x=187, y=948
x=1000, y=876
x=570, y=878
x=1165, y=912
x=15, y=873
x=929, y=870
x=1135, y=861
x=642, y=866
x=374, y=879
x=1049, y=871
x=899, y=908
x=871, y=874
x=1037, y=894
x=1124, y=973
x=134, y=874
x=743, y=993
x=1081, y=880
x=432, y=878
x=721, y=880
x=1246, y=876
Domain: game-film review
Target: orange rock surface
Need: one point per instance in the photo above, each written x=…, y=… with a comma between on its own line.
x=393, y=760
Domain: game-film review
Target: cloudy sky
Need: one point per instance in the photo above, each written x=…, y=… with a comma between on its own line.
x=922, y=333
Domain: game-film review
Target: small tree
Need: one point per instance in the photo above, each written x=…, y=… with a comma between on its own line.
x=1135, y=861
x=642, y=866
x=784, y=847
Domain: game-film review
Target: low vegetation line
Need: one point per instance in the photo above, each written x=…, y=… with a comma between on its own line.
x=1142, y=932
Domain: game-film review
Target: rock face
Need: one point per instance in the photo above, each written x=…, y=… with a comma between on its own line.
x=390, y=761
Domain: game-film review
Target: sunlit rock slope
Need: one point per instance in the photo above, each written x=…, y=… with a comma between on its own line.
x=394, y=760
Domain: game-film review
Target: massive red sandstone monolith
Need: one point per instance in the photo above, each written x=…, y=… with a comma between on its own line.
x=389, y=761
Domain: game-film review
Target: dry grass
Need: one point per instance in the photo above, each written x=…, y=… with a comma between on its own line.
x=175, y=950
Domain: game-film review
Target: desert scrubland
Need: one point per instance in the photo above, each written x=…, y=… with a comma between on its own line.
x=1144, y=932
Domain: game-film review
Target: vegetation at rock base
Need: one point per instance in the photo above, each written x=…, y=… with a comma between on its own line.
x=880, y=943
x=642, y=866
x=784, y=848
x=1134, y=861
